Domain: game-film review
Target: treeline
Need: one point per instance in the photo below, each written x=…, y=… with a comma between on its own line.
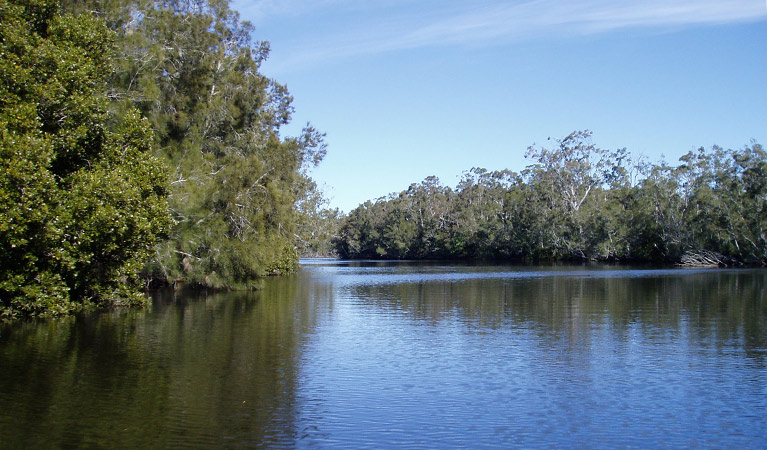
x=577, y=202
x=140, y=143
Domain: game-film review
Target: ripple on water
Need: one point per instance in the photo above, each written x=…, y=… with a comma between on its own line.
x=407, y=356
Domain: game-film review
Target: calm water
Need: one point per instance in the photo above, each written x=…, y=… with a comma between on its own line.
x=380, y=355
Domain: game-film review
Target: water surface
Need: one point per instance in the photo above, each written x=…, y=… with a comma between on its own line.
x=393, y=354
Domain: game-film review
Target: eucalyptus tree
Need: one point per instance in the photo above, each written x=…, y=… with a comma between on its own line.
x=577, y=201
x=413, y=224
x=398, y=229
x=724, y=191
x=317, y=223
x=484, y=213
x=360, y=233
x=572, y=180
x=746, y=208
x=193, y=70
x=82, y=200
x=432, y=210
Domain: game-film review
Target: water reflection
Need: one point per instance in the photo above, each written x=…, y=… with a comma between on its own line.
x=196, y=370
x=727, y=307
x=386, y=354
x=474, y=357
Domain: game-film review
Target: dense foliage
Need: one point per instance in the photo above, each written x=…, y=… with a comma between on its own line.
x=139, y=139
x=82, y=200
x=191, y=68
x=317, y=224
x=577, y=201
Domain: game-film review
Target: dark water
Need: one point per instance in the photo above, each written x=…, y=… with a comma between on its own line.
x=380, y=355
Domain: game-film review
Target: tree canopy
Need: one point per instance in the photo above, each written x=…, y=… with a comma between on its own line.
x=141, y=142
x=192, y=69
x=82, y=199
x=577, y=201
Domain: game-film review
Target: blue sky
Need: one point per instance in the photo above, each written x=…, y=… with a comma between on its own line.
x=405, y=89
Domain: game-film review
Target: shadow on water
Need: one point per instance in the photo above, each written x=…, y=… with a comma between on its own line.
x=723, y=307
x=389, y=354
x=197, y=369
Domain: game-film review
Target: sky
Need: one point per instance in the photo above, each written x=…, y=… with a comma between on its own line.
x=406, y=89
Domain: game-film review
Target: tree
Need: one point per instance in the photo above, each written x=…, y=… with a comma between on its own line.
x=360, y=233
x=746, y=206
x=725, y=191
x=317, y=223
x=569, y=178
x=82, y=201
x=577, y=201
x=191, y=67
x=431, y=207
x=484, y=228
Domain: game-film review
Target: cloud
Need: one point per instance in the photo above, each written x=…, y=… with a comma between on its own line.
x=392, y=25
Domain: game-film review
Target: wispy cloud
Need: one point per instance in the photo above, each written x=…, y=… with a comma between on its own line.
x=392, y=25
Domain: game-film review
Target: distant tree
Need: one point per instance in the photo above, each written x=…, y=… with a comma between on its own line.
x=724, y=193
x=414, y=224
x=360, y=233
x=577, y=201
x=484, y=228
x=82, y=201
x=317, y=223
x=745, y=208
x=432, y=210
x=573, y=180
